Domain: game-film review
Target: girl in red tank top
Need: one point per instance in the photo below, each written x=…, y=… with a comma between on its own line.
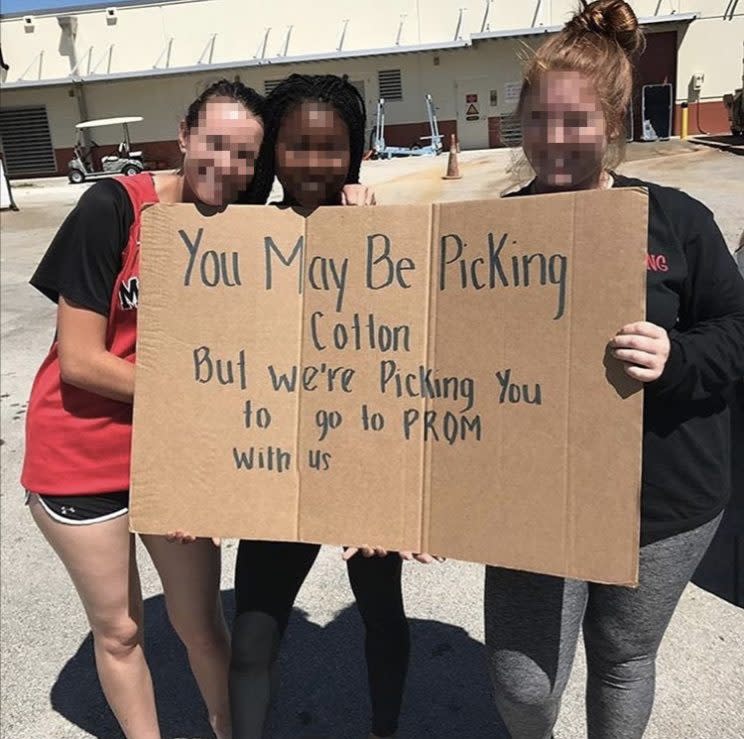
x=76, y=465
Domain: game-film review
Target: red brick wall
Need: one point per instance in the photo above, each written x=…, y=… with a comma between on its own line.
x=494, y=132
x=62, y=157
x=713, y=118
x=408, y=134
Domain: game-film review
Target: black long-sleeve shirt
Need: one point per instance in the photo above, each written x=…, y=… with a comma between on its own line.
x=695, y=292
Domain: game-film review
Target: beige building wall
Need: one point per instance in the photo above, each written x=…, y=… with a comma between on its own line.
x=179, y=34
x=141, y=34
x=714, y=46
x=486, y=68
x=163, y=100
x=153, y=60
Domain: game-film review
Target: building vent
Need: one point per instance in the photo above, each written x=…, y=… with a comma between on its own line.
x=390, y=84
x=26, y=141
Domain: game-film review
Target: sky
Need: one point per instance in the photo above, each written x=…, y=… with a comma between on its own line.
x=30, y=6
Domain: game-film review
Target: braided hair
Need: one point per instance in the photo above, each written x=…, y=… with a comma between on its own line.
x=237, y=91
x=337, y=92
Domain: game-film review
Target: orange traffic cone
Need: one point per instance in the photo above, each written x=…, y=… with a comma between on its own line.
x=453, y=168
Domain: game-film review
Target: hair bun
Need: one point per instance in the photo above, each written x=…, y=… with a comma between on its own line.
x=614, y=19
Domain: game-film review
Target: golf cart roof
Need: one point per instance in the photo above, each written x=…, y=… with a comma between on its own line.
x=110, y=121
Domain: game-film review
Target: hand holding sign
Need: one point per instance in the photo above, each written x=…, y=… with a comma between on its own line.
x=423, y=558
x=183, y=537
x=367, y=552
x=358, y=195
x=645, y=349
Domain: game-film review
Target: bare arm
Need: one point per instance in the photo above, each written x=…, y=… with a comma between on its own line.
x=83, y=358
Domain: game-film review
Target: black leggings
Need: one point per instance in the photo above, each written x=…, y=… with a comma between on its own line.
x=268, y=576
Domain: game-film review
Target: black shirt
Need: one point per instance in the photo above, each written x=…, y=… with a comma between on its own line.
x=695, y=292
x=84, y=258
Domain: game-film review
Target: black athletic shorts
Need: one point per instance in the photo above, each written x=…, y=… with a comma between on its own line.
x=85, y=509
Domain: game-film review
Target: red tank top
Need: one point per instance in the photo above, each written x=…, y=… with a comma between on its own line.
x=78, y=442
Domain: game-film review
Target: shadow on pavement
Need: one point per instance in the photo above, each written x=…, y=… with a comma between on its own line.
x=77, y=694
x=323, y=692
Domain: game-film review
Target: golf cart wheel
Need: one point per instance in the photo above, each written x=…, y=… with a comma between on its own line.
x=130, y=170
x=75, y=176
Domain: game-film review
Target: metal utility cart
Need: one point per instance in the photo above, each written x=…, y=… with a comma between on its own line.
x=383, y=151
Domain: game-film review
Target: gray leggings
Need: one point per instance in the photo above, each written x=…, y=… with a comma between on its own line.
x=532, y=629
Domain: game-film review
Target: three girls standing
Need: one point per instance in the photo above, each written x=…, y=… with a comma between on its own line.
x=688, y=352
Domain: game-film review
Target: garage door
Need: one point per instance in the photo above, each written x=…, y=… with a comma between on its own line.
x=26, y=141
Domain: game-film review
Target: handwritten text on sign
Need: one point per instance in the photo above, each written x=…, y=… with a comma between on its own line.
x=221, y=270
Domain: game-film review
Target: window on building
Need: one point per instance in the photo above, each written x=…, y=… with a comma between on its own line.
x=391, y=87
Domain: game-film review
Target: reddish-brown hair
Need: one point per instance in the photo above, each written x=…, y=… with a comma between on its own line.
x=601, y=42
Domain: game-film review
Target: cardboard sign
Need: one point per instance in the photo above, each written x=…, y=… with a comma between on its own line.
x=420, y=377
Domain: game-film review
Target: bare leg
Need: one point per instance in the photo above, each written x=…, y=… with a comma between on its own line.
x=100, y=559
x=190, y=574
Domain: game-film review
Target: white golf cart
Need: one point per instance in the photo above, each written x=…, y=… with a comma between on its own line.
x=83, y=165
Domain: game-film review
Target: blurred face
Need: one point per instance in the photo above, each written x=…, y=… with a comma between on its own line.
x=312, y=154
x=564, y=131
x=220, y=151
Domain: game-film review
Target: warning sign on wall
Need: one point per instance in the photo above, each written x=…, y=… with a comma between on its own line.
x=471, y=98
x=472, y=114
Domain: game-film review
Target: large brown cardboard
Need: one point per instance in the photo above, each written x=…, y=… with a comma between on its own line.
x=535, y=468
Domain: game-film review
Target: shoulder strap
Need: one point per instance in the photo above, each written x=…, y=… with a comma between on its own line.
x=141, y=190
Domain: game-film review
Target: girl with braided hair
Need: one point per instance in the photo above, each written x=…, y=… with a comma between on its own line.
x=687, y=353
x=313, y=143
x=299, y=139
